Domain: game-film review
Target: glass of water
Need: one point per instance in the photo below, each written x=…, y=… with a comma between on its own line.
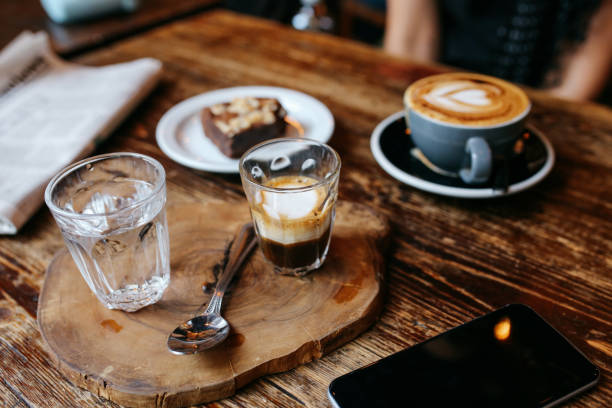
x=111, y=211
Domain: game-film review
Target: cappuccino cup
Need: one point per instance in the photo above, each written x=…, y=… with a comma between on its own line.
x=292, y=186
x=460, y=121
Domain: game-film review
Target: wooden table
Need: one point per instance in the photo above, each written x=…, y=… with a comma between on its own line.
x=16, y=16
x=450, y=259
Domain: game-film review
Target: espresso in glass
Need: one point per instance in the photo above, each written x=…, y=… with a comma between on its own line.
x=292, y=186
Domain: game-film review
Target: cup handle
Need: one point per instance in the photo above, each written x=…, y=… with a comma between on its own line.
x=481, y=160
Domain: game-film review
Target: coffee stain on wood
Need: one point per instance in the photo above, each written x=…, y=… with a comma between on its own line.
x=349, y=290
x=346, y=293
x=112, y=325
x=235, y=340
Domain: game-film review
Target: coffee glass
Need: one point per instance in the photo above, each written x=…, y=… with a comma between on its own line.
x=111, y=212
x=460, y=121
x=292, y=186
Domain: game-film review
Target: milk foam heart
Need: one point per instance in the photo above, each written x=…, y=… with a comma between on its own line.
x=467, y=99
x=472, y=97
x=458, y=95
x=291, y=216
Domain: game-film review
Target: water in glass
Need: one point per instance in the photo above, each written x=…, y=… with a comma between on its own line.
x=115, y=228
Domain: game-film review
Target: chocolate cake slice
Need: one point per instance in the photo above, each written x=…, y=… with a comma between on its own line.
x=236, y=126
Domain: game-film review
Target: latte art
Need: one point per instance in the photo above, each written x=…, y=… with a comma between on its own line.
x=465, y=97
x=468, y=99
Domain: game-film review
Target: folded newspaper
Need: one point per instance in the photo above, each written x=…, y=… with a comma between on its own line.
x=53, y=113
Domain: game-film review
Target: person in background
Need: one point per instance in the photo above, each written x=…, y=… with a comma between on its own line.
x=272, y=9
x=564, y=46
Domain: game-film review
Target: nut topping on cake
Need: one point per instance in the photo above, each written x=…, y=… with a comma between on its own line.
x=237, y=125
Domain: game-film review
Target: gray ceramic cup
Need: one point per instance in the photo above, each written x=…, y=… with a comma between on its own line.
x=464, y=149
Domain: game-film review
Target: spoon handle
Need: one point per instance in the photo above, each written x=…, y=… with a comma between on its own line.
x=241, y=247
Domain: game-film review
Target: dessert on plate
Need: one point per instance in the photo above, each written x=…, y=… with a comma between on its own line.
x=236, y=126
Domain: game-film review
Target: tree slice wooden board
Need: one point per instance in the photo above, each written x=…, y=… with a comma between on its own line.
x=277, y=321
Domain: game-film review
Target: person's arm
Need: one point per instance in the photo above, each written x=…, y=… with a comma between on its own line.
x=412, y=29
x=586, y=71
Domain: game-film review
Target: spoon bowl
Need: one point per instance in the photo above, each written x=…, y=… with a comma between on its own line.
x=200, y=333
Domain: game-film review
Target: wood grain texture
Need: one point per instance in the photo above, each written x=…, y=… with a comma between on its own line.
x=277, y=322
x=16, y=16
x=450, y=260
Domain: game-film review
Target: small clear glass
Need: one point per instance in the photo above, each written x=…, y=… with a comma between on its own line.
x=292, y=187
x=111, y=212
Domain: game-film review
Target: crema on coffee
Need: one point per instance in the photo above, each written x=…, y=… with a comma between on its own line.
x=466, y=99
x=294, y=226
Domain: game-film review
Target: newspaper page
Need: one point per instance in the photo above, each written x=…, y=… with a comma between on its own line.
x=53, y=113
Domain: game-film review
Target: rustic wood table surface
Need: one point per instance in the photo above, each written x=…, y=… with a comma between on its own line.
x=450, y=260
x=16, y=16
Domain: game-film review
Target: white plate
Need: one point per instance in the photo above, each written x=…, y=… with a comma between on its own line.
x=180, y=135
x=472, y=192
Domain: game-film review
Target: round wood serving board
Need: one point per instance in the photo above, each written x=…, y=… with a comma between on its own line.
x=277, y=321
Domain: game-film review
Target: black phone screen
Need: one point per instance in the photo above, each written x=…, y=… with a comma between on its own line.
x=508, y=358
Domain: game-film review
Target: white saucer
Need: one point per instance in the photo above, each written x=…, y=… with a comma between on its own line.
x=421, y=182
x=180, y=135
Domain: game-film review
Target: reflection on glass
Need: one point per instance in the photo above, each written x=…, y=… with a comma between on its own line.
x=313, y=16
x=502, y=329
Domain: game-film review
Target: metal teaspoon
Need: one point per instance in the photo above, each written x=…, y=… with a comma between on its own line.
x=209, y=329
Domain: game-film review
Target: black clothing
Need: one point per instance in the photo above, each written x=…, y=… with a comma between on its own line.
x=518, y=40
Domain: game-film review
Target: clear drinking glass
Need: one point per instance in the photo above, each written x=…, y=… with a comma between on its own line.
x=292, y=187
x=111, y=211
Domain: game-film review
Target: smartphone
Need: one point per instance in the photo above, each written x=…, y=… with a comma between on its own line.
x=508, y=358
